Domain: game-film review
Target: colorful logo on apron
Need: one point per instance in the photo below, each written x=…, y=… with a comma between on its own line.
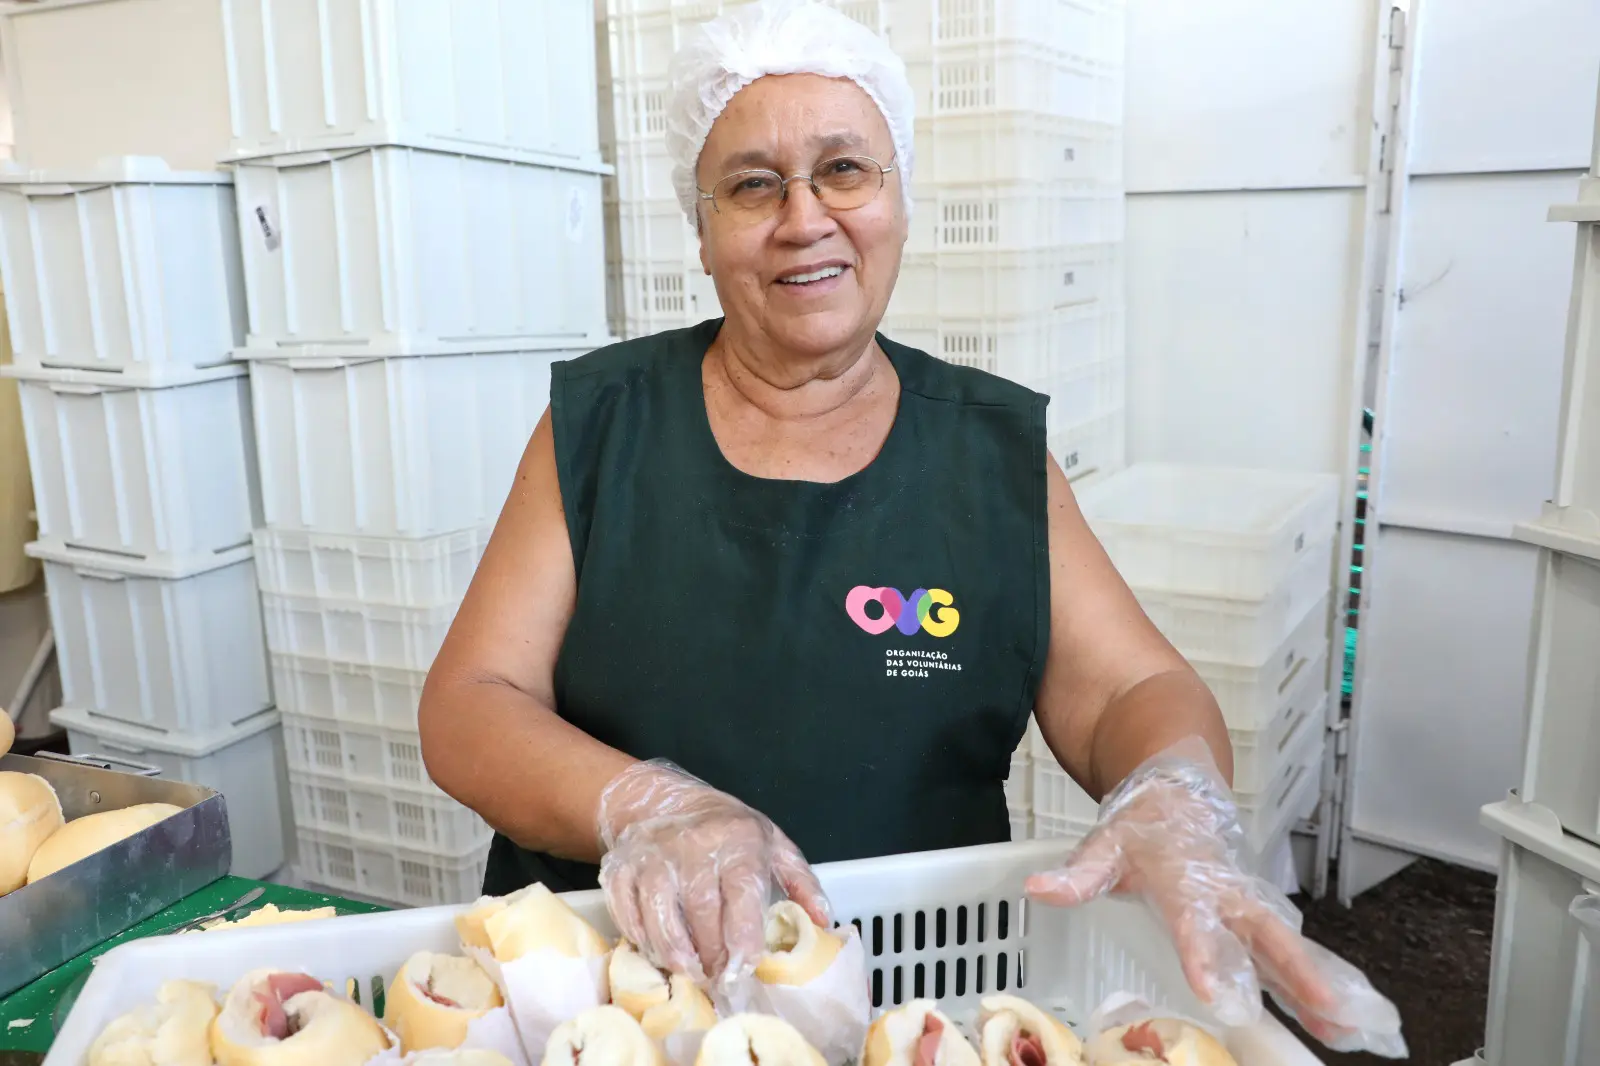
x=927, y=609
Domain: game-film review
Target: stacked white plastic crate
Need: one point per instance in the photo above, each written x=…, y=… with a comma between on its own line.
x=1014, y=259
x=1235, y=568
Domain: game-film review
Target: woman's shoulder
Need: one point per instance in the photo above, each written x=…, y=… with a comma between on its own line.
x=937, y=379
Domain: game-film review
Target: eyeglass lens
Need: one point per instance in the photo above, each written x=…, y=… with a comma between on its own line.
x=841, y=184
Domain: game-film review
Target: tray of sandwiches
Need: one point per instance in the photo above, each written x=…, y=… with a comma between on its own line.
x=938, y=960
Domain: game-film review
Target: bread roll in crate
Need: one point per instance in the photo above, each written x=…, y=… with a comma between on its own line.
x=950, y=927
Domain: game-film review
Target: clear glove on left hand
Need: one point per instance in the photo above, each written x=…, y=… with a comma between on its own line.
x=1170, y=834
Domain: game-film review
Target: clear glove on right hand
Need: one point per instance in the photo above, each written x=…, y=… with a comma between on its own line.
x=688, y=872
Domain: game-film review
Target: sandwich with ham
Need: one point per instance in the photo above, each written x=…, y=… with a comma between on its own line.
x=601, y=1036
x=1164, y=1041
x=663, y=1005
x=272, y=1018
x=172, y=1031
x=531, y=919
x=1013, y=1032
x=917, y=1034
x=755, y=1040
x=434, y=998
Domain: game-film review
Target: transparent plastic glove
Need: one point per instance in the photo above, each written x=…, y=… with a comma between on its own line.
x=1170, y=834
x=688, y=872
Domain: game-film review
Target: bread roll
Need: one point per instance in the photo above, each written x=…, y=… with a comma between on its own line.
x=270, y=915
x=636, y=985
x=797, y=950
x=917, y=1034
x=475, y=1057
x=172, y=1031
x=288, y=1019
x=82, y=837
x=531, y=919
x=601, y=1036
x=30, y=814
x=433, y=999
x=1013, y=1032
x=687, y=1010
x=756, y=1040
x=1158, y=1040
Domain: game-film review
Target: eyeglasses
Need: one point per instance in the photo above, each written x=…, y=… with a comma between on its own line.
x=841, y=184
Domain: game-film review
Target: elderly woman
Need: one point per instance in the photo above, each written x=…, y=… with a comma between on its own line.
x=776, y=586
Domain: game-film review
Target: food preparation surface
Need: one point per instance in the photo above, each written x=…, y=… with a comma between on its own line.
x=26, y=1016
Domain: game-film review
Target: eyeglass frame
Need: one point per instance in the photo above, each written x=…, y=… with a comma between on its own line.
x=810, y=178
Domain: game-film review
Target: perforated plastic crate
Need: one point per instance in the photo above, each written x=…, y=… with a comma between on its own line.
x=126, y=268
x=1027, y=350
x=1005, y=284
x=1019, y=782
x=1251, y=696
x=1082, y=395
x=377, y=570
x=419, y=818
x=985, y=147
x=1012, y=216
x=391, y=250
x=371, y=755
x=989, y=77
x=1021, y=823
x=656, y=231
x=366, y=633
x=406, y=877
x=665, y=295
x=347, y=692
x=1211, y=531
x=1091, y=30
x=1091, y=450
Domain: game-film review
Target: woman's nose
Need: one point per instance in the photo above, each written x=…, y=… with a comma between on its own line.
x=802, y=218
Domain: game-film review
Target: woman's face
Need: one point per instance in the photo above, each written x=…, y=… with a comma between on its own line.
x=789, y=124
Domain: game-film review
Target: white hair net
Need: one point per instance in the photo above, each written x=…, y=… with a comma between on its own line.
x=724, y=55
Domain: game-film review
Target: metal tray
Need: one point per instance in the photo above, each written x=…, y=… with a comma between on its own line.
x=42, y=925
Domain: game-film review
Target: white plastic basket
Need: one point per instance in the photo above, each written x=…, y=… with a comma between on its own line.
x=243, y=762
x=162, y=475
x=1211, y=531
x=1019, y=780
x=422, y=819
x=370, y=755
x=1005, y=284
x=1089, y=29
x=986, y=147
x=1544, y=978
x=392, y=251
x=175, y=651
x=656, y=231
x=1241, y=630
x=406, y=638
x=669, y=294
x=127, y=268
x=987, y=77
x=1012, y=216
x=375, y=570
x=1028, y=349
x=1021, y=822
x=347, y=692
x=1253, y=696
x=952, y=925
x=492, y=77
x=394, y=447
x=1082, y=395
x=406, y=877
x=1092, y=449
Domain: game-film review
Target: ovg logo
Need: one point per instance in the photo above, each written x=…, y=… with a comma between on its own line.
x=879, y=610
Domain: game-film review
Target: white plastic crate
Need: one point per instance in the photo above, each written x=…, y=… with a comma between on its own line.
x=493, y=77
x=987, y=147
x=127, y=268
x=1088, y=29
x=376, y=570
x=1562, y=747
x=1060, y=827
x=656, y=231
x=347, y=692
x=172, y=650
x=1026, y=350
x=1211, y=531
x=243, y=762
x=392, y=250
x=370, y=634
x=1241, y=630
x=1021, y=823
x=405, y=877
x=1083, y=394
x=1075, y=957
x=394, y=447
x=162, y=475
x=1005, y=285
x=1014, y=76
x=1544, y=978
x=1091, y=450
x=1012, y=216
x=1019, y=781
x=665, y=295
x=644, y=170
x=370, y=755
x=1252, y=696
x=423, y=819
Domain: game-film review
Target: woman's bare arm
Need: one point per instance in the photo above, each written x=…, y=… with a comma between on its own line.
x=1114, y=692
x=490, y=733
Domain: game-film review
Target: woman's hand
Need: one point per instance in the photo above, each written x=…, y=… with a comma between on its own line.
x=1170, y=833
x=688, y=872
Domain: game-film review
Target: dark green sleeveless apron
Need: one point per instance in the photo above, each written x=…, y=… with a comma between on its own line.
x=856, y=660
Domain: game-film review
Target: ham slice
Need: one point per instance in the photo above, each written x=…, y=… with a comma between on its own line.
x=928, y=1043
x=442, y=1000
x=275, y=1021
x=1027, y=1050
x=1142, y=1039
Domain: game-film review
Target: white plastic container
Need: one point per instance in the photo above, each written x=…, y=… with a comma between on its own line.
x=1091, y=450
x=403, y=877
x=1252, y=696
x=1562, y=747
x=173, y=650
x=158, y=474
x=373, y=570
x=369, y=634
x=964, y=149
x=1019, y=782
x=243, y=762
x=394, y=447
x=1081, y=395
x=1021, y=823
x=422, y=819
x=1211, y=531
x=988, y=77
x=373, y=756
x=1027, y=349
x=1012, y=216
x=394, y=251
x=1005, y=284
x=1089, y=29
x=1241, y=630
x=656, y=231
x=665, y=295
x=348, y=693
x=1544, y=979
x=493, y=77
x=127, y=268
x=1075, y=957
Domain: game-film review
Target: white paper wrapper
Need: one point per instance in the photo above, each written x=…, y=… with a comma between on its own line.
x=543, y=989
x=832, y=1011
x=681, y=1049
x=495, y=1031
